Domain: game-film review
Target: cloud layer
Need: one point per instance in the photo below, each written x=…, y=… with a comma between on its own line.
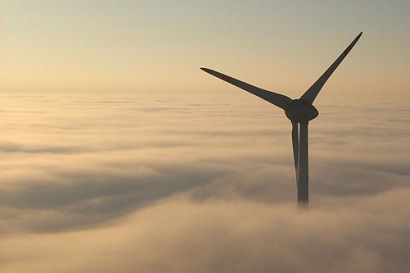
x=132, y=182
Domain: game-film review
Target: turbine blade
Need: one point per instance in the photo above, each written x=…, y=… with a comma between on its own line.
x=314, y=90
x=295, y=144
x=303, y=166
x=279, y=100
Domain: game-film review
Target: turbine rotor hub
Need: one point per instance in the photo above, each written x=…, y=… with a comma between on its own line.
x=300, y=110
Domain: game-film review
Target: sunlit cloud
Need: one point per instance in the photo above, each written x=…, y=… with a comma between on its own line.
x=134, y=182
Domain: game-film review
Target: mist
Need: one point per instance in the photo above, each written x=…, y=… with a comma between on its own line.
x=177, y=183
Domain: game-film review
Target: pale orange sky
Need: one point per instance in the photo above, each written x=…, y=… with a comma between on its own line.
x=159, y=45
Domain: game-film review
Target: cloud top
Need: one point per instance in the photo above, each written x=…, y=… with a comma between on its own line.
x=140, y=183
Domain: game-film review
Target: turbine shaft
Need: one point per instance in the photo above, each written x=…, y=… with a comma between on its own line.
x=303, y=165
x=295, y=144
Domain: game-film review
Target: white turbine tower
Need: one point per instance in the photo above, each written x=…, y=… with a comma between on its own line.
x=299, y=112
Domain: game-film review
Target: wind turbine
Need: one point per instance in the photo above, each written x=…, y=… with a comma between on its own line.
x=299, y=112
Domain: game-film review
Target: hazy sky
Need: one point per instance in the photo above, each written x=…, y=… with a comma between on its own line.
x=112, y=162
x=159, y=45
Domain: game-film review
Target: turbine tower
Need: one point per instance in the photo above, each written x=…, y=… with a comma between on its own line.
x=299, y=112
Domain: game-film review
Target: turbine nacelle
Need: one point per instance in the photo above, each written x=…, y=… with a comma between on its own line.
x=300, y=110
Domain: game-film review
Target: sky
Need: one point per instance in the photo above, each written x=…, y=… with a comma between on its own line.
x=119, y=155
x=158, y=46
